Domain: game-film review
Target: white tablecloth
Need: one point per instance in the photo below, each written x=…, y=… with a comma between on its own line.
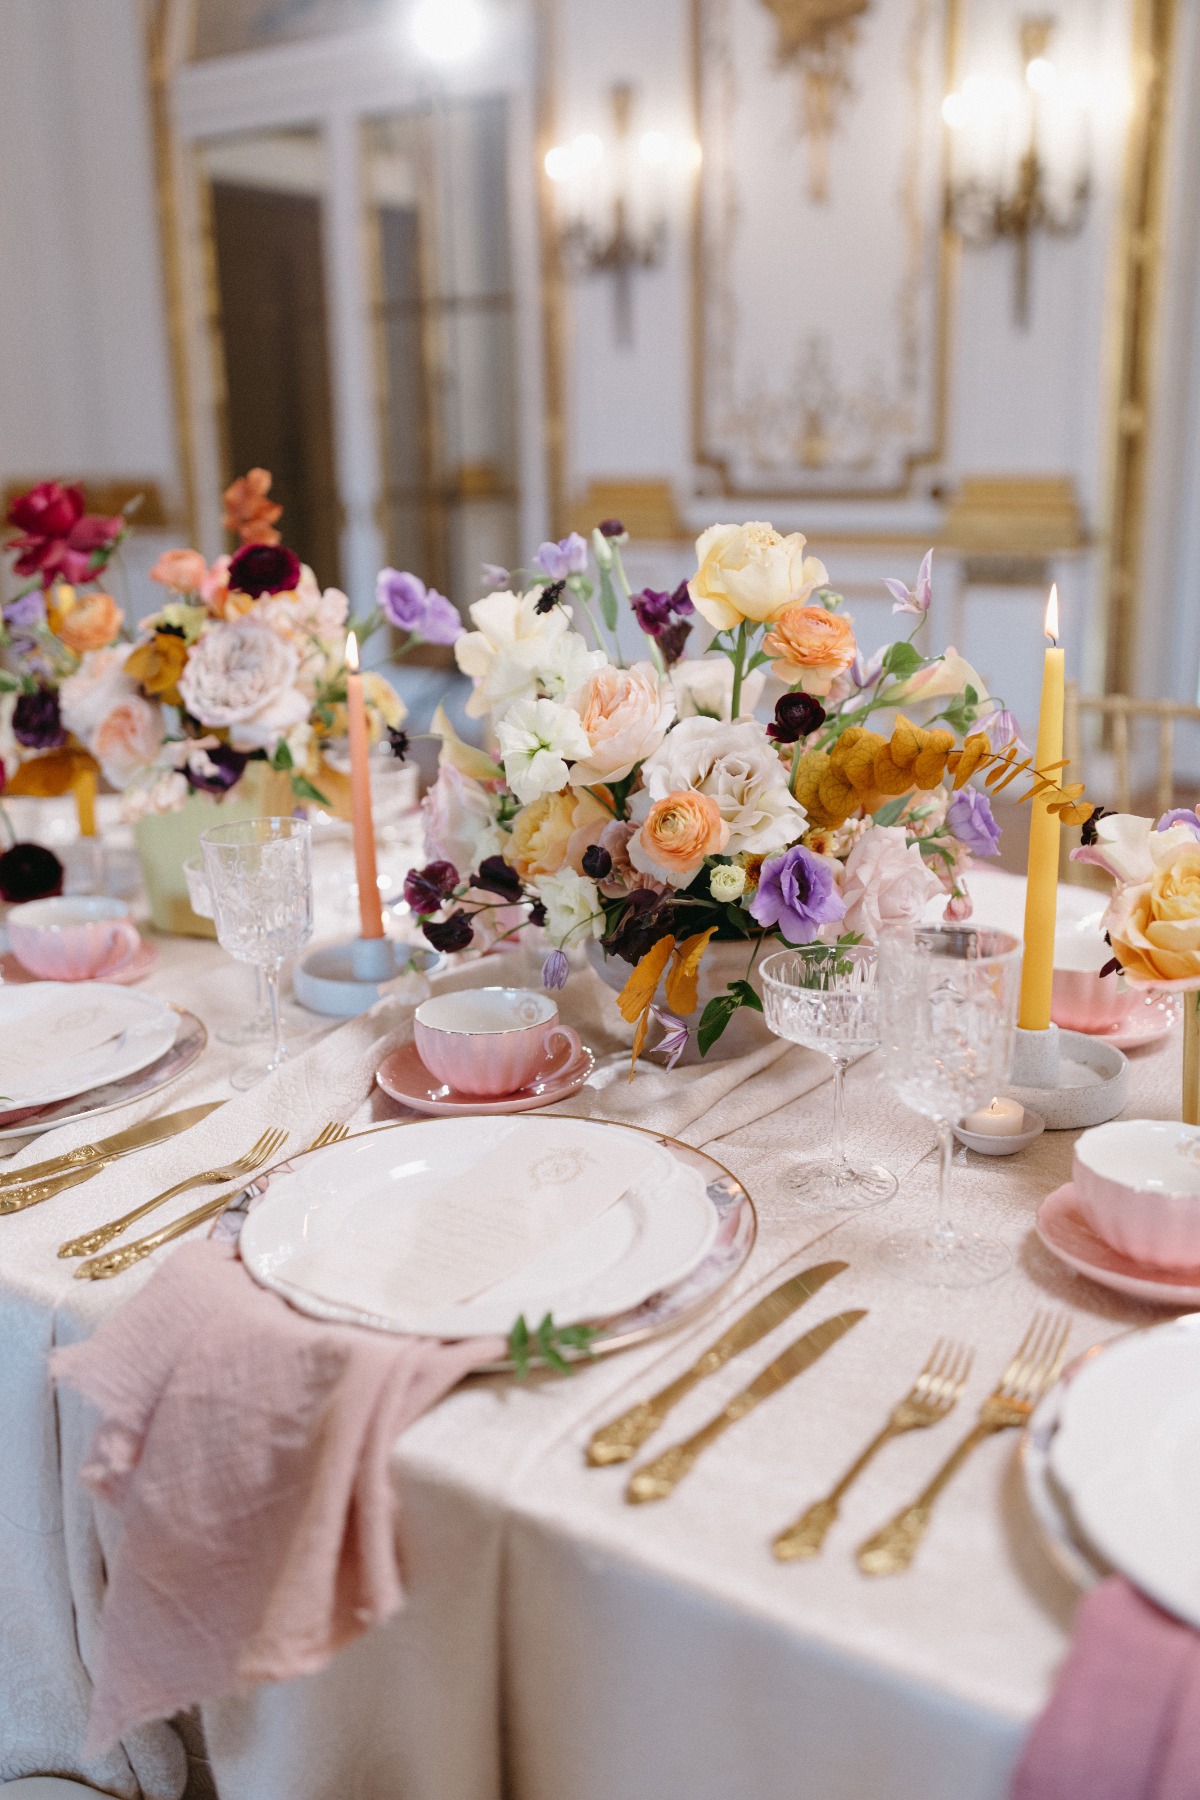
x=557, y=1642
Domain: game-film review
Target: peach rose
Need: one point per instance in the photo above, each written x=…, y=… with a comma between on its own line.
x=128, y=739
x=676, y=836
x=1155, y=926
x=751, y=572
x=214, y=586
x=626, y=714
x=89, y=623
x=543, y=833
x=811, y=647
x=182, y=570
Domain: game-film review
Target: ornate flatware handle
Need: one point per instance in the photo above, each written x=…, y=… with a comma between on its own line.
x=618, y=1442
x=806, y=1535
x=661, y=1476
x=100, y=1268
x=45, y=1190
x=893, y=1548
x=57, y=1165
x=91, y=1241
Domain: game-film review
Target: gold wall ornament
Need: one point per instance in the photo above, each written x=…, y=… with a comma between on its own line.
x=816, y=37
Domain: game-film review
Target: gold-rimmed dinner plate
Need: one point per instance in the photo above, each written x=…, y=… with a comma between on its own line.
x=190, y=1040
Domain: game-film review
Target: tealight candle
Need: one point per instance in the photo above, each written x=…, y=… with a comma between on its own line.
x=1003, y=1118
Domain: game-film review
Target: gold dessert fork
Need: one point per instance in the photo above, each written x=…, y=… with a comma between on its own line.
x=1035, y=1366
x=934, y=1394
x=115, y=1262
x=260, y=1152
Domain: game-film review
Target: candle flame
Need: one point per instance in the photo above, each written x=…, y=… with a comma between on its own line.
x=352, y=652
x=1051, y=624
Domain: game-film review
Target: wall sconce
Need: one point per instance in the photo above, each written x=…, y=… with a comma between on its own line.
x=613, y=201
x=1018, y=157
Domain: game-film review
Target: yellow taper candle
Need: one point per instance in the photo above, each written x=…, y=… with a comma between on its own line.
x=1041, y=889
x=369, y=912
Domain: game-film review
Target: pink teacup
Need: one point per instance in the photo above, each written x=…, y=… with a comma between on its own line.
x=1082, y=999
x=75, y=937
x=488, y=1042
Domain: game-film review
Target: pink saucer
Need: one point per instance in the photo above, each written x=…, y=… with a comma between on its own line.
x=404, y=1077
x=1067, y=1235
x=1148, y=1021
x=140, y=963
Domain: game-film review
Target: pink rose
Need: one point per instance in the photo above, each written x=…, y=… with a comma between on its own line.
x=461, y=820
x=886, y=882
x=626, y=714
x=128, y=739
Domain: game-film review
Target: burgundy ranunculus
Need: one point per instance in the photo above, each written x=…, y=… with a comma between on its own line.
x=36, y=722
x=59, y=541
x=227, y=767
x=425, y=889
x=597, y=862
x=264, y=569
x=454, y=933
x=796, y=715
x=29, y=872
x=48, y=510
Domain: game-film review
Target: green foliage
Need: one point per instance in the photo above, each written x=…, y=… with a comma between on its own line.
x=608, y=599
x=303, y=789
x=545, y=1345
x=891, y=810
x=901, y=660
x=283, y=758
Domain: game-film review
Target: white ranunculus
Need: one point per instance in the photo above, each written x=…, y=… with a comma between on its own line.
x=509, y=645
x=704, y=688
x=735, y=763
x=460, y=817
x=241, y=676
x=98, y=684
x=538, y=738
x=573, y=909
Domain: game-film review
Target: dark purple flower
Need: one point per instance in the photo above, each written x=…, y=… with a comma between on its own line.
x=644, y=918
x=796, y=715
x=796, y=893
x=549, y=597
x=495, y=876
x=597, y=863
x=970, y=818
x=555, y=970
x=407, y=603
x=672, y=640
x=537, y=913
x=215, y=770
x=652, y=608
x=397, y=743
x=1180, y=815
x=454, y=933
x=264, y=569
x=566, y=558
x=29, y=872
x=425, y=889
x=36, y=722
x=611, y=528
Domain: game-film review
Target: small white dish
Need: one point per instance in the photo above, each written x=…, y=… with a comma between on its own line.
x=405, y=1079
x=995, y=1144
x=1066, y=1234
x=144, y=1029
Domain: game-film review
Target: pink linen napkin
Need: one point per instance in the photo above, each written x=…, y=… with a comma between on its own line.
x=245, y=1449
x=1124, y=1720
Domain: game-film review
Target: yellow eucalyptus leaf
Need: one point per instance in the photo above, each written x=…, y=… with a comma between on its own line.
x=635, y=997
x=684, y=972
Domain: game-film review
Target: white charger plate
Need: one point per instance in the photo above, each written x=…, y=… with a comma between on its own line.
x=148, y=1027
x=650, y=1241
x=1127, y=1456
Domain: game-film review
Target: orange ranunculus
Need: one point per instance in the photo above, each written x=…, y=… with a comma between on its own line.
x=180, y=570
x=811, y=647
x=157, y=663
x=86, y=622
x=248, y=511
x=676, y=835
x=1154, y=926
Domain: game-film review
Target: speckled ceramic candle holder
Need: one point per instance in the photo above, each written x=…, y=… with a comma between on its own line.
x=1071, y=1079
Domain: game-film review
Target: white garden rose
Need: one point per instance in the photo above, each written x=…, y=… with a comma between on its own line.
x=460, y=817
x=128, y=739
x=887, y=882
x=98, y=684
x=737, y=765
x=573, y=909
x=241, y=676
x=703, y=688
x=626, y=713
x=751, y=572
x=537, y=740
x=515, y=652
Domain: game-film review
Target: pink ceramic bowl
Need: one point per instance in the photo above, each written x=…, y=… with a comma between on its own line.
x=487, y=1042
x=1138, y=1184
x=74, y=937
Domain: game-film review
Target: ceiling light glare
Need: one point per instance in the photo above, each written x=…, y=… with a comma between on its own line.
x=559, y=163
x=954, y=111
x=448, y=31
x=587, y=152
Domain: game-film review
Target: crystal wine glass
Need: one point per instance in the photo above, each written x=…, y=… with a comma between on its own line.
x=826, y=997
x=260, y=882
x=255, y=1028
x=949, y=1008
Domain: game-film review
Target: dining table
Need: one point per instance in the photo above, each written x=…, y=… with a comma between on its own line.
x=556, y=1641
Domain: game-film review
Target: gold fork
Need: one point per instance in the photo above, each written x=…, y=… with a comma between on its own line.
x=1036, y=1364
x=115, y=1262
x=259, y=1153
x=934, y=1393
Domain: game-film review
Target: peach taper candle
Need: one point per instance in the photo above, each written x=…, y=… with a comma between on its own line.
x=370, y=912
x=1041, y=889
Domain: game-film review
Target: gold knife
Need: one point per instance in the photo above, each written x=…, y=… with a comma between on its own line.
x=20, y=1188
x=618, y=1441
x=656, y=1480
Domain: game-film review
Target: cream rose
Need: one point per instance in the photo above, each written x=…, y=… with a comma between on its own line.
x=98, y=684
x=810, y=647
x=543, y=838
x=1155, y=926
x=703, y=688
x=751, y=572
x=241, y=677
x=128, y=739
x=887, y=882
x=738, y=767
x=626, y=714
x=676, y=835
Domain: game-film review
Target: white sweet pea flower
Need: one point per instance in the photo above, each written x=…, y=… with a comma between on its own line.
x=566, y=665
x=537, y=740
x=512, y=645
x=573, y=909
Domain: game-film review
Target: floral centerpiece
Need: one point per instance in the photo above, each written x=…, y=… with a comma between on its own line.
x=642, y=807
x=1153, y=918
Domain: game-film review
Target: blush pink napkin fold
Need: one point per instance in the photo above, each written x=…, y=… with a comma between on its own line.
x=245, y=1449
x=1124, y=1720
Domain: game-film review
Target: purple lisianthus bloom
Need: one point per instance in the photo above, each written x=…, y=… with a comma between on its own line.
x=796, y=893
x=1180, y=815
x=494, y=577
x=407, y=603
x=568, y=557
x=36, y=722
x=27, y=613
x=425, y=889
x=215, y=770
x=970, y=818
x=555, y=970
x=915, y=599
